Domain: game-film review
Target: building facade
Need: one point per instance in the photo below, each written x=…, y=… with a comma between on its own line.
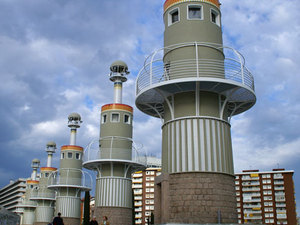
x=12, y=193
x=266, y=197
x=143, y=191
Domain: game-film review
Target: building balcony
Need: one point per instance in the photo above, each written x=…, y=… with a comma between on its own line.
x=94, y=156
x=279, y=198
x=279, y=205
x=138, y=215
x=137, y=204
x=137, y=175
x=279, y=188
x=278, y=176
x=216, y=75
x=139, y=192
x=139, y=209
x=281, y=216
x=276, y=182
x=249, y=183
x=138, y=197
x=74, y=178
x=37, y=194
x=251, y=189
x=251, y=205
x=253, y=200
x=137, y=186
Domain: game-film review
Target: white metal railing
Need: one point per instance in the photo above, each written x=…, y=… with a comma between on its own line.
x=94, y=151
x=42, y=194
x=155, y=70
x=70, y=177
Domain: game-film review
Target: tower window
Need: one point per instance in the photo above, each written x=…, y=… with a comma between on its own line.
x=115, y=117
x=70, y=155
x=46, y=174
x=127, y=119
x=77, y=155
x=104, y=118
x=62, y=155
x=173, y=16
x=195, y=12
x=215, y=17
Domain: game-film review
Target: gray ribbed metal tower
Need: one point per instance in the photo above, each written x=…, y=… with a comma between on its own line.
x=195, y=85
x=70, y=180
x=27, y=204
x=114, y=156
x=44, y=197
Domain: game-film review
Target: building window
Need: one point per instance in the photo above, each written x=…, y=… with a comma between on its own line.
x=195, y=12
x=115, y=117
x=104, y=118
x=126, y=119
x=46, y=174
x=173, y=16
x=215, y=17
x=62, y=155
x=77, y=155
x=70, y=155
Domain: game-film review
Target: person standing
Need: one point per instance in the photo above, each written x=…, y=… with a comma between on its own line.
x=105, y=221
x=58, y=220
x=93, y=221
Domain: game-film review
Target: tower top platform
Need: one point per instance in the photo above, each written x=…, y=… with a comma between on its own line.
x=158, y=80
x=169, y=3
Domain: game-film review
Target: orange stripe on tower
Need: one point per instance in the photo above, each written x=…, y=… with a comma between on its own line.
x=32, y=182
x=48, y=169
x=71, y=147
x=117, y=107
x=169, y=3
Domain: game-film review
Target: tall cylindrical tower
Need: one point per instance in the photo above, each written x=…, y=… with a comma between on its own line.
x=70, y=180
x=113, y=157
x=28, y=205
x=44, y=197
x=195, y=85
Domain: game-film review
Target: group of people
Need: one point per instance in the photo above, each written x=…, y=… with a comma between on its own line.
x=59, y=221
x=104, y=221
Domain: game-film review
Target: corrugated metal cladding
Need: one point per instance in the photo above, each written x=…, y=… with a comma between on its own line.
x=68, y=206
x=115, y=192
x=44, y=214
x=28, y=217
x=198, y=144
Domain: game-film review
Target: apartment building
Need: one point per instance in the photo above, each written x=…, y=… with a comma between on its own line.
x=266, y=197
x=143, y=190
x=11, y=194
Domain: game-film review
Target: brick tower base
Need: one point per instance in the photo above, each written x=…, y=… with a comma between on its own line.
x=71, y=221
x=115, y=215
x=195, y=198
x=41, y=223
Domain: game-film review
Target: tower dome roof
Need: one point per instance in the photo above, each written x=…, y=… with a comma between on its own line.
x=74, y=116
x=119, y=66
x=36, y=161
x=51, y=144
x=169, y=3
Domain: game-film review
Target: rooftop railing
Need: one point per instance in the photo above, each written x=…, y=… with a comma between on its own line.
x=156, y=71
x=94, y=151
x=70, y=178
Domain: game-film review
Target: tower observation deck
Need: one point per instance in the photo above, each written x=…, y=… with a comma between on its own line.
x=195, y=84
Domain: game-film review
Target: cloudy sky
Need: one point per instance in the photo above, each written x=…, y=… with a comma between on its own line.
x=55, y=57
